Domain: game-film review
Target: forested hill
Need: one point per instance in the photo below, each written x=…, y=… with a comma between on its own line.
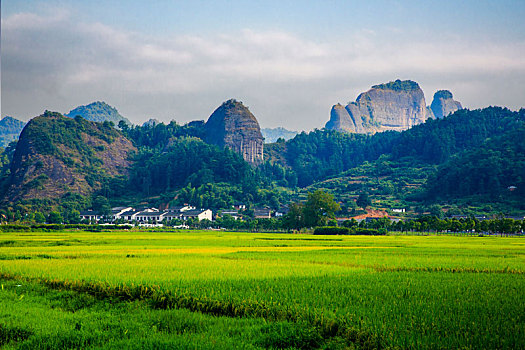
x=324, y=153
x=495, y=168
x=56, y=156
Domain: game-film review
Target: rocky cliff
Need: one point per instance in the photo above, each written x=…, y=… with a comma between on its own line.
x=397, y=105
x=233, y=125
x=444, y=104
x=56, y=155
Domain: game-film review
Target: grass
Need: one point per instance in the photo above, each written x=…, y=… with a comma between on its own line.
x=270, y=290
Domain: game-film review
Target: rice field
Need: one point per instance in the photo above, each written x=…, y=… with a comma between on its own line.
x=276, y=290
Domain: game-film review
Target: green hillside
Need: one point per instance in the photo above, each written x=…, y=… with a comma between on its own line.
x=98, y=112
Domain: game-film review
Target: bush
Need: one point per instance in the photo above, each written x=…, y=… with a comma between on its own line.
x=368, y=231
x=331, y=230
x=11, y=227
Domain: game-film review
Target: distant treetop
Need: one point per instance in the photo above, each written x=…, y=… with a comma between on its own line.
x=444, y=94
x=398, y=85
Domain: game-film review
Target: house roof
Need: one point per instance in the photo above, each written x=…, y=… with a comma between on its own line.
x=145, y=213
x=261, y=211
x=195, y=212
x=129, y=213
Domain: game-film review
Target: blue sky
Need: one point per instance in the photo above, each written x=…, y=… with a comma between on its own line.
x=289, y=61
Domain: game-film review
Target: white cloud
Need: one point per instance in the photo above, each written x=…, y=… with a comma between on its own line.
x=51, y=62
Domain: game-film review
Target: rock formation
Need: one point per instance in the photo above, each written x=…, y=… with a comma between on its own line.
x=397, y=105
x=233, y=125
x=444, y=104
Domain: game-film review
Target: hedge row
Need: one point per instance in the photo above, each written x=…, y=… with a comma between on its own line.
x=58, y=227
x=334, y=230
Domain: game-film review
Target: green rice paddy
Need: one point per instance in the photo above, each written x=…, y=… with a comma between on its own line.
x=206, y=289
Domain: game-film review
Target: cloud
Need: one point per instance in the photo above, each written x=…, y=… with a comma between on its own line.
x=53, y=62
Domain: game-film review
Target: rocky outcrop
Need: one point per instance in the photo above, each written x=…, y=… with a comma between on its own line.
x=233, y=125
x=56, y=155
x=397, y=105
x=444, y=104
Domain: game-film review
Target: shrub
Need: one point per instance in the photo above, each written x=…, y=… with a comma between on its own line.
x=368, y=231
x=331, y=230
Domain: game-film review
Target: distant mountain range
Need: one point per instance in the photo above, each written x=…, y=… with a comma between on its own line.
x=272, y=135
x=10, y=128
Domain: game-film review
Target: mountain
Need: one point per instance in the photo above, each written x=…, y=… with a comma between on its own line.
x=234, y=126
x=444, y=104
x=98, y=112
x=397, y=105
x=10, y=128
x=56, y=155
x=272, y=135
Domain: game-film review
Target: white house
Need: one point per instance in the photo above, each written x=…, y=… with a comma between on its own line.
x=116, y=213
x=198, y=214
x=233, y=213
x=181, y=208
x=90, y=215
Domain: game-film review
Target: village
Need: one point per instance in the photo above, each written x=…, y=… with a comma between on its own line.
x=174, y=216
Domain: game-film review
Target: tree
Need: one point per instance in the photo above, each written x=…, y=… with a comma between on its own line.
x=123, y=126
x=54, y=217
x=39, y=218
x=101, y=204
x=436, y=210
x=363, y=201
x=294, y=219
x=319, y=207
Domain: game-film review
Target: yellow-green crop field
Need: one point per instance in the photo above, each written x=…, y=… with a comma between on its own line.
x=208, y=289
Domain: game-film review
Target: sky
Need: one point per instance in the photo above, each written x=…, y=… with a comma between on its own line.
x=288, y=61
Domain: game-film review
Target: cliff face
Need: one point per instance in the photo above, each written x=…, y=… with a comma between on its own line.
x=56, y=155
x=234, y=126
x=444, y=104
x=397, y=105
